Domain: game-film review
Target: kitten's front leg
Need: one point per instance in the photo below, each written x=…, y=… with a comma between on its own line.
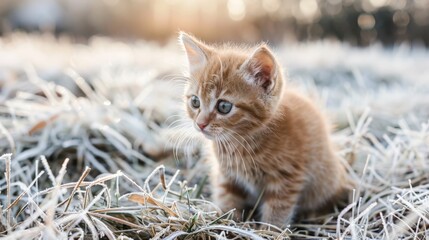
x=228, y=195
x=279, y=203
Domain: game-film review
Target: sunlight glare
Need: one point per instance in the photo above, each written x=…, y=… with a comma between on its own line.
x=308, y=7
x=271, y=5
x=377, y=3
x=236, y=9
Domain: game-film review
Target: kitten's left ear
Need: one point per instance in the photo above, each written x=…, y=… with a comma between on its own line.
x=261, y=68
x=196, y=51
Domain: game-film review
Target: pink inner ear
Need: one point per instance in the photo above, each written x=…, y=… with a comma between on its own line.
x=263, y=76
x=261, y=67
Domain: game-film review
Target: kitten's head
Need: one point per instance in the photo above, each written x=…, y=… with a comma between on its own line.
x=230, y=90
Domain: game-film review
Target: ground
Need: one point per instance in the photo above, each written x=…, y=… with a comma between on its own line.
x=93, y=146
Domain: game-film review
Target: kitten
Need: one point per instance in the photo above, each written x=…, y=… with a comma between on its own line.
x=268, y=141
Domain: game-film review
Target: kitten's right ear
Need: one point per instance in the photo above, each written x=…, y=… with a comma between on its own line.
x=196, y=51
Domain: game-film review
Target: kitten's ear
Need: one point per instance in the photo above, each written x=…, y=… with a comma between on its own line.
x=261, y=68
x=196, y=51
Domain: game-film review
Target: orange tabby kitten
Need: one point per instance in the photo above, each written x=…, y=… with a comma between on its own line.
x=268, y=140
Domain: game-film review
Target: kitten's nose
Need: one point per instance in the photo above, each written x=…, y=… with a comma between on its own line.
x=202, y=125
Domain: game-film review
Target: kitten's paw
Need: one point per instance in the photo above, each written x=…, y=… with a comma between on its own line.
x=238, y=215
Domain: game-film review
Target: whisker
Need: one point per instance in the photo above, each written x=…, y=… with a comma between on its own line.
x=234, y=150
x=251, y=153
x=229, y=154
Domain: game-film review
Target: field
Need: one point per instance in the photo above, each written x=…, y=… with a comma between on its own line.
x=93, y=149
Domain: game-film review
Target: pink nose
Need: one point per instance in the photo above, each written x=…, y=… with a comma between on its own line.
x=202, y=125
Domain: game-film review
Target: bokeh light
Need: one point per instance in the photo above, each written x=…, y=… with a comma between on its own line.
x=390, y=21
x=236, y=9
x=366, y=21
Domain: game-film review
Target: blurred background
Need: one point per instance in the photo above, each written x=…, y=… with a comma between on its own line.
x=360, y=22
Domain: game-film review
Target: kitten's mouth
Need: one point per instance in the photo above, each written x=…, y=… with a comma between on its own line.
x=208, y=135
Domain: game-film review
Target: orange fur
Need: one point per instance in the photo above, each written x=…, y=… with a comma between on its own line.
x=274, y=141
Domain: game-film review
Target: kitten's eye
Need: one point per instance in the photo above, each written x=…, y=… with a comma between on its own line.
x=195, y=101
x=224, y=107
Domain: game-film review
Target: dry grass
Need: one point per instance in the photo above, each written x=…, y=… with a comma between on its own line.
x=91, y=157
